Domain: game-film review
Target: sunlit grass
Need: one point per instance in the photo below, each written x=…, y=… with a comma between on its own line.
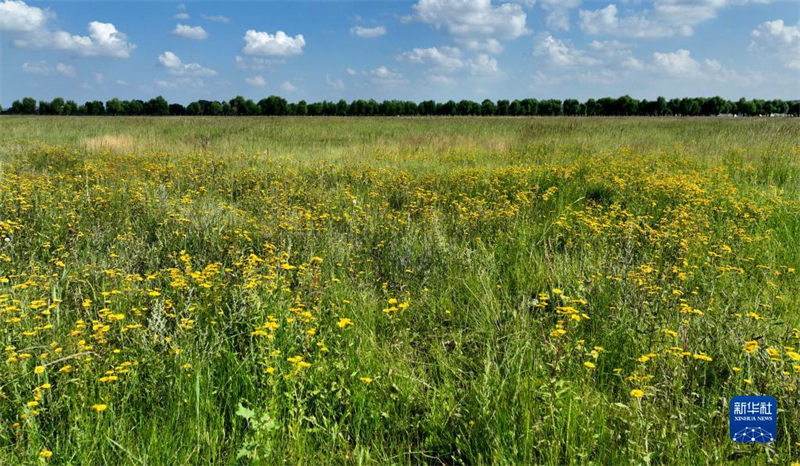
x=396, y=290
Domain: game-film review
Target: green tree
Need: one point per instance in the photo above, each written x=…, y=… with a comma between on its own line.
x=302, y=108
x=194, y=109
x=70, y=108
x=502, y=107
x=157, y=106
x=571, y=107
x=28, y=106
x=57, y=106
x=488, y=108
x=114, y=107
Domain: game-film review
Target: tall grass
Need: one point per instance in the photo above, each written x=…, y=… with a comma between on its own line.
x=390, y=290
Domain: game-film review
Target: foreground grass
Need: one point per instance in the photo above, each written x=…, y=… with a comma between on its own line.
x=396, y=290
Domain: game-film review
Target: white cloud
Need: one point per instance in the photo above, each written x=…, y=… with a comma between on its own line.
x=288, y=87
x=604, y=77
x=558, y=12
x=351, y=71
x=781, y=38
x=384, y=76
x=385, y=73
x=614, y=51
x=680, y=66
x=484, y=65
x=558, y=53
x=256, y=63
x=66, y=70
x=446, y=60
x=175, y=66
x=189, y=32
x=608, y=47
x=181, y=16
x=334, y=83
x=632, y=63
x=678, y=63
x=98, y=77
x=40, y=67
x=182, y=82
x=165, y=84
x=169, y=60
x=257, y=81
x=103, y=40
x=441, y=80
x=469, y=19
x=44, y=69
x=607, y=21
x=266, y=44
x=665, y=18
x=489, y=45
x=217, y=18
x=368, y=32
x=16, y=16
x=691, y=12
x=443, y=57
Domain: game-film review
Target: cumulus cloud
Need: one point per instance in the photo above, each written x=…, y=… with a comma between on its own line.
x=189, y=32
x=288, y=87
x=385, y=73
x=44, y=69
x=28, y=25
x=632, y=63
x=368, y=33
x=40, y=67
x=558, y=12
x=607, y=21
x=386, y=77
x=16, y=16
x=558, y=53
x=256, y=63
x=337, y=84
x=104, y=40
x=489, y=45
x=446, y=60
x=441, y=80
x=181, y=16
x=442, y=57
x=780, y=38
x=678, y=63
x=682, y=67
x=175, y=66
x=65, y=70
x=470, y=19
x=266, y=44
x=665, y=18
x=257, y=81
x=484, y=65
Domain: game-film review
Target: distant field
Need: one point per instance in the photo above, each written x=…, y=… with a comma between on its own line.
x=396, y=290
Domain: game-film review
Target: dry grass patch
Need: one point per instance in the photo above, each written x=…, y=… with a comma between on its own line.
x=119, y=143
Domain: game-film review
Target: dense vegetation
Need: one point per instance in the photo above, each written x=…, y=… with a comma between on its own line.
x=274, y=105
x=396, y=291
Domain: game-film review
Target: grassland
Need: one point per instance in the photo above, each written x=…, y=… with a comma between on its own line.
x=373, y=291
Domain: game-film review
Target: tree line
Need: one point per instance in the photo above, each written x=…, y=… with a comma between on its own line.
x=274, y=105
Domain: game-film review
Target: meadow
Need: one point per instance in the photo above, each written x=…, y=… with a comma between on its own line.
x=396, y=290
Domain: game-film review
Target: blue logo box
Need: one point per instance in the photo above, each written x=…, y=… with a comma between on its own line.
x=753, y=419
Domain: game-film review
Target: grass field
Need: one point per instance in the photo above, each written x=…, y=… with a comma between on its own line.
x=378, y=291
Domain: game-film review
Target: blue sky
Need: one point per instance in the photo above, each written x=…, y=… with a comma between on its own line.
x=423, y=49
